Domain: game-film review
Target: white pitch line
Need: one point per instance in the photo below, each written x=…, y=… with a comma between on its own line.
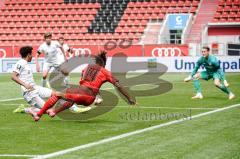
x=13, y=155
x=146, y=107
x=11, y=99
x=85, y=146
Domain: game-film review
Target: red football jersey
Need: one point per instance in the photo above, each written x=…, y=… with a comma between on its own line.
x=93, y=76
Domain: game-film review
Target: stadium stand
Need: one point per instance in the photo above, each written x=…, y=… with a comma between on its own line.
x=204, y=16
x=84, y=22
x=227, y=11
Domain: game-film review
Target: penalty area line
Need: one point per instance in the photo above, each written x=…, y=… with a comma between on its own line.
x=114, y=138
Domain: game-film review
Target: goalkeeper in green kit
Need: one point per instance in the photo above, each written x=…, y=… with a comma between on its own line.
x=213, y=70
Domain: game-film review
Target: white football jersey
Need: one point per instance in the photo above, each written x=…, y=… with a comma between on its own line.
x=25, y=73
x=50, y=51
x=60, y=55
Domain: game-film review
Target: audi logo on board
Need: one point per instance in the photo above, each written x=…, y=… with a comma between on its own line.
x=81, y=51
x=3, y=53
x=168, y=51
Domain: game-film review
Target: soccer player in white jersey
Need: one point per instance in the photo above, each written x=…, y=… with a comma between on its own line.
x=66, y=49
x=62, y=55
x=50, y=49
x=32, y=93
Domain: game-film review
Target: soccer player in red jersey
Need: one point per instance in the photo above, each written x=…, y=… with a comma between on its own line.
x=93, y=76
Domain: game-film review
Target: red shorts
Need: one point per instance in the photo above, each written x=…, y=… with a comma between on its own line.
x=80, y=96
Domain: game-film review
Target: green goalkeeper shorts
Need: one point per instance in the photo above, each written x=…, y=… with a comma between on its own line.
x=219, y=74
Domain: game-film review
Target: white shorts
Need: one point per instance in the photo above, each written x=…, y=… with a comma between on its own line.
x=49, y=67
x=35, y=97
x=60, y=60
x=43, y=91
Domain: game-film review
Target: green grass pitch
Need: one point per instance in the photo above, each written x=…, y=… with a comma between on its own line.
x=215, y=136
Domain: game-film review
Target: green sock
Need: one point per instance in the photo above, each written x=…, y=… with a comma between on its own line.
x=224, y=89
x=197, y=86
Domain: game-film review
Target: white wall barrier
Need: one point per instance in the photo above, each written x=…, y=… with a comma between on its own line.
x=174, y=64
x=7, y=64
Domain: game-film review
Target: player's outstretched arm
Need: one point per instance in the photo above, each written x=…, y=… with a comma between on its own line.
x=121, y=89
x=18, y=81
x=198, y=64
x=64, y=53
x=190, y=77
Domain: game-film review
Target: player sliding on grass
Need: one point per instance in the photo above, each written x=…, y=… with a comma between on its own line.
x=93, y=76
x=213, y=70
x=32, y=93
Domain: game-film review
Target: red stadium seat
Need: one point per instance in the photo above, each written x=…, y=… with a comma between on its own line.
x=235, y=8
x=223, y=20
x=227, y=8
x=229, y=2
x=224, y=14
x=188, y=3
x=195, y=3
x=237, y=19
x=233, y=14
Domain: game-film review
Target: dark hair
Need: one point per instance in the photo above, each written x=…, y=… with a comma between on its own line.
x=25, y=51
x=207, y=48
x=46, y=35
x=101, y=58
x=61, y=37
